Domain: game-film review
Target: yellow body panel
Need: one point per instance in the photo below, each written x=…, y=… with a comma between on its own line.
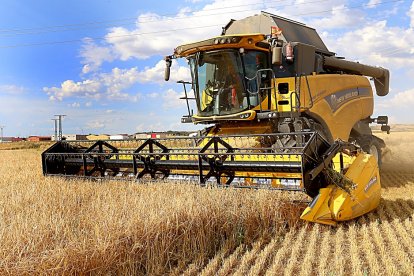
x=285, y=102
x=247, y=41
x=339, y=101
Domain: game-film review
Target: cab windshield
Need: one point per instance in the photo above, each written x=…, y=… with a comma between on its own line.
x=224, y=81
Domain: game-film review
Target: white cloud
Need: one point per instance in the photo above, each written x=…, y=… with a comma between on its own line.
x=376, y=44
x=156, y=74
x=74, y=105
x=86, y=69
x=109, y=85
x=69, y=88
x=150, y=126
x=172, y=99
x=400, y=100
x=35, y=117
x=94, y=55
x=411, y=15
x=152, y=95
x=12, y=89
x=340, y=17
x=372, y=3
x=95, y=124
x=113, y=84
x=158, y=35
x=117, y=81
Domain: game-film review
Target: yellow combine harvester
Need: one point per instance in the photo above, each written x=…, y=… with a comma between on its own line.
x=286, y=114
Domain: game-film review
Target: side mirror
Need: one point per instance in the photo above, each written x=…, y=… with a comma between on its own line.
x=386, y=128
x=382, y=120
x=168, y=62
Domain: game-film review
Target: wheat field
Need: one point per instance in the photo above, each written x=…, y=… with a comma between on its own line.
x=55, y=226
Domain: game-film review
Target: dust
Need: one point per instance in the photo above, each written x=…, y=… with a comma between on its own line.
x=398, y=155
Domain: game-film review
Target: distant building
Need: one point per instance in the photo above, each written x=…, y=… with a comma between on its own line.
x=119, y=137
x=71, y=137
x=146, y=135
x=12, y=139
x=140, y=136
x=6, y=139
x=97, y=137
x=39, y=138
x=17, y=139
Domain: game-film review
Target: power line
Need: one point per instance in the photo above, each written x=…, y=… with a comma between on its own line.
x=175, y=30
x=144, y=21
x=61, y=28
x=100, y=38
x=101, y=24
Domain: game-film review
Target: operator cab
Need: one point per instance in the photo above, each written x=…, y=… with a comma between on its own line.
x=225, y=81
x=231, y=76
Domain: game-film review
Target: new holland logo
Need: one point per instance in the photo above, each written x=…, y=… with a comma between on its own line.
x=339, y=98
x=370, y=183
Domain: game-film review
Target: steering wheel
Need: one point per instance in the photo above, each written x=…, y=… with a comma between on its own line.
x=215, y=87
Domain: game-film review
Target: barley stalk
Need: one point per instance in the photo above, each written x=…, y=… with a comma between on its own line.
x=396, y=247
x=277, y=264
x=310, y=258
x=230, y=262
x=51, y=225
x=264, y=257
x=339, y=263
x=369, y=249
x=325, y=252
x=382, y=250
x=248, y=258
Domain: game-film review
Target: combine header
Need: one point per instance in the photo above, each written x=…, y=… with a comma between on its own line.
x=286, y=113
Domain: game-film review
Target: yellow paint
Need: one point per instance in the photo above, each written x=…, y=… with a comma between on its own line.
x=248, y=41
x=97, y=137
x=251, y=116
x=338, y=122
x=342, y=205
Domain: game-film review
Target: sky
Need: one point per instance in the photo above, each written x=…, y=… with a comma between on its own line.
x=100, y=62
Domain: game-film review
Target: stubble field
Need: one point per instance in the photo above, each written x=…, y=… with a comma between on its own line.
x=55, y=226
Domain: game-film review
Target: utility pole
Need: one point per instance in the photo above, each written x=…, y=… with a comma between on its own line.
x=56, y=128
x=59, y=118
x=1, y=133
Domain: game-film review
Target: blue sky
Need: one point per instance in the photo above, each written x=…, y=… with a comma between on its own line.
x=100, y=62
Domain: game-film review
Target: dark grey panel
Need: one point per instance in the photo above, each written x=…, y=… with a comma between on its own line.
x=294, y=31
x=252, y=24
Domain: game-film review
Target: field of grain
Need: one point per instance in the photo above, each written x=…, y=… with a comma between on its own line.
x=55, y=226
x=380, y=243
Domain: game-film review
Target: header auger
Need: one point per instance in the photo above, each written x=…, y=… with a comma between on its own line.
x=286, y=114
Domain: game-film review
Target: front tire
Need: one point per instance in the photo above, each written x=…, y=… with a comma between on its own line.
x=372, y=145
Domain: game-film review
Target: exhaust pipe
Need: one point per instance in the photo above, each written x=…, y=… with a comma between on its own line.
x=381, y=75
